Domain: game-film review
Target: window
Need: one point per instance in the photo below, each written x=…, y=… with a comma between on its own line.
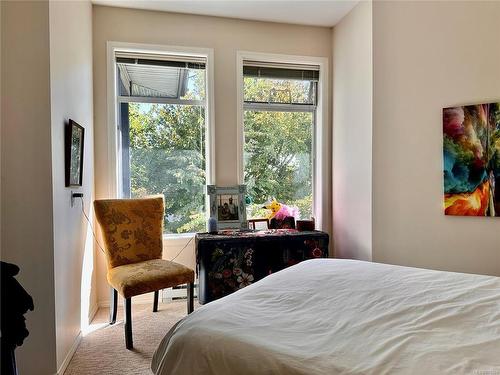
x=162, y=123
x=279, y=116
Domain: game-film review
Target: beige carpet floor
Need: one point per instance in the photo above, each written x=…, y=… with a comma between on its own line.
x=102, y=351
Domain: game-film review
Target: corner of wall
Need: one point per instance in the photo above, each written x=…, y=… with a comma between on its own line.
x=352, y=134
x=71, y=92
x=26, y=162
x=417, y=72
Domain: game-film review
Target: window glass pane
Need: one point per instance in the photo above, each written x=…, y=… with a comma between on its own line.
x=161, y=81
x=266, y=90
x=167, y=156
x=195, y=86
x=278, y=159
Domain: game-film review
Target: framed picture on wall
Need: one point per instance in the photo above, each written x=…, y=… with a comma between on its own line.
x=74, y=137
x=227, y=206
x=471, y=156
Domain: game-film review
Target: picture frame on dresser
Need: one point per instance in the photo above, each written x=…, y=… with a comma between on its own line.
x=227, y=206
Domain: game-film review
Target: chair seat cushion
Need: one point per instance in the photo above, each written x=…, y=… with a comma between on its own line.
x=148, y=276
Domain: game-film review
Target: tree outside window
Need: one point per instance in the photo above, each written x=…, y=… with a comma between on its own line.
x=278, y=148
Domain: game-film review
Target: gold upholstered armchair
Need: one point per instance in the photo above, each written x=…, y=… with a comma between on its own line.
x=133, y=237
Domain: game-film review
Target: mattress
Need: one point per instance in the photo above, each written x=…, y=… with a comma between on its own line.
x=333, y=316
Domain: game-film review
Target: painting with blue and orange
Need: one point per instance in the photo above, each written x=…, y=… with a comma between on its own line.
x=471, y=154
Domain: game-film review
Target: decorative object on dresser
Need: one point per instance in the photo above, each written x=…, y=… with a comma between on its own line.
x=255, y=223
x=303, y=225
x=227, y=206
x=232, y=260
x=280, y=211
x=287, y=222
x=212, y=225
x=133, y=233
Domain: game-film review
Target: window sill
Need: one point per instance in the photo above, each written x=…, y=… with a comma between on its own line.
x=178, y=236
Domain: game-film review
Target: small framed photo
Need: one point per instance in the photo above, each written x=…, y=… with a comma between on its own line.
x=227, y=206
x=74, y=138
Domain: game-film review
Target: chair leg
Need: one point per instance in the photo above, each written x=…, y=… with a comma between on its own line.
x=155, y=302
x=190, y=297
x=113, y=304
x=128, y=324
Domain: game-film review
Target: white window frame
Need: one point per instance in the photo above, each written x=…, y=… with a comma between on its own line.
x=115, y=181
x=320, y=139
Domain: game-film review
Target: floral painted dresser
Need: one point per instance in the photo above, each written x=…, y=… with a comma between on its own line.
x=231, y=260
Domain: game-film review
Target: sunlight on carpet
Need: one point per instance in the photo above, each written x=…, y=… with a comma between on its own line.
x=102, y=350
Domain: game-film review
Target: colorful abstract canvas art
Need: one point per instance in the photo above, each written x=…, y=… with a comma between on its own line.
x=471, y=154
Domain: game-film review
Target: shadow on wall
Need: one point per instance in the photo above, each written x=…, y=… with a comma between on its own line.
x=88, y=307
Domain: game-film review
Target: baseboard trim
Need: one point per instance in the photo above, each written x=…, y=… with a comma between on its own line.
x=137, y=300
x=166, y=295
x=70, y=354
x=93, y=311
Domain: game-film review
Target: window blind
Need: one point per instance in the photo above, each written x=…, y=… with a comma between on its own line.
x=175, y=61
x=145, y=75
x=280, y=71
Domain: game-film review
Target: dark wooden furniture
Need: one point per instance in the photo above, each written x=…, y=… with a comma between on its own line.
x=228, y=262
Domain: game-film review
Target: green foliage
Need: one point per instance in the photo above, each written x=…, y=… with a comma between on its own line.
x=304, y=205
x=278, y=150
x=167, y=154
x=278, y=91
x=197, y=223
x=256, y=211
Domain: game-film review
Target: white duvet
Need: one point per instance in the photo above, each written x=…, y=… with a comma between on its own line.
x=332, y=316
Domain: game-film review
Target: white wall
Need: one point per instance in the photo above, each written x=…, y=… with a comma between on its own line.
x=352, y=134
x=46, y=79
x=226, y=37
x=71, y=98
x=428, y=55
x=1, y=52
x=26, y=181
x=1, y=117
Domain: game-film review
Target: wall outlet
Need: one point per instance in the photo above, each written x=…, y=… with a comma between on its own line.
x=75, y=195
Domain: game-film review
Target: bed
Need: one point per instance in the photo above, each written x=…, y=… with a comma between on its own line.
x=333, y=316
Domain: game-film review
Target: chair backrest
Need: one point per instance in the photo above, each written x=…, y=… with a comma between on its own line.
x=132, y=229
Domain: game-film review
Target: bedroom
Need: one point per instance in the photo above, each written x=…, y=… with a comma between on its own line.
x=391, y=68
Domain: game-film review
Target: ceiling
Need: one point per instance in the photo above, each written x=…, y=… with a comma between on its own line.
x=302, y=12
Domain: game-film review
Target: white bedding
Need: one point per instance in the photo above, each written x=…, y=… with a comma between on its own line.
x=332, y=316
